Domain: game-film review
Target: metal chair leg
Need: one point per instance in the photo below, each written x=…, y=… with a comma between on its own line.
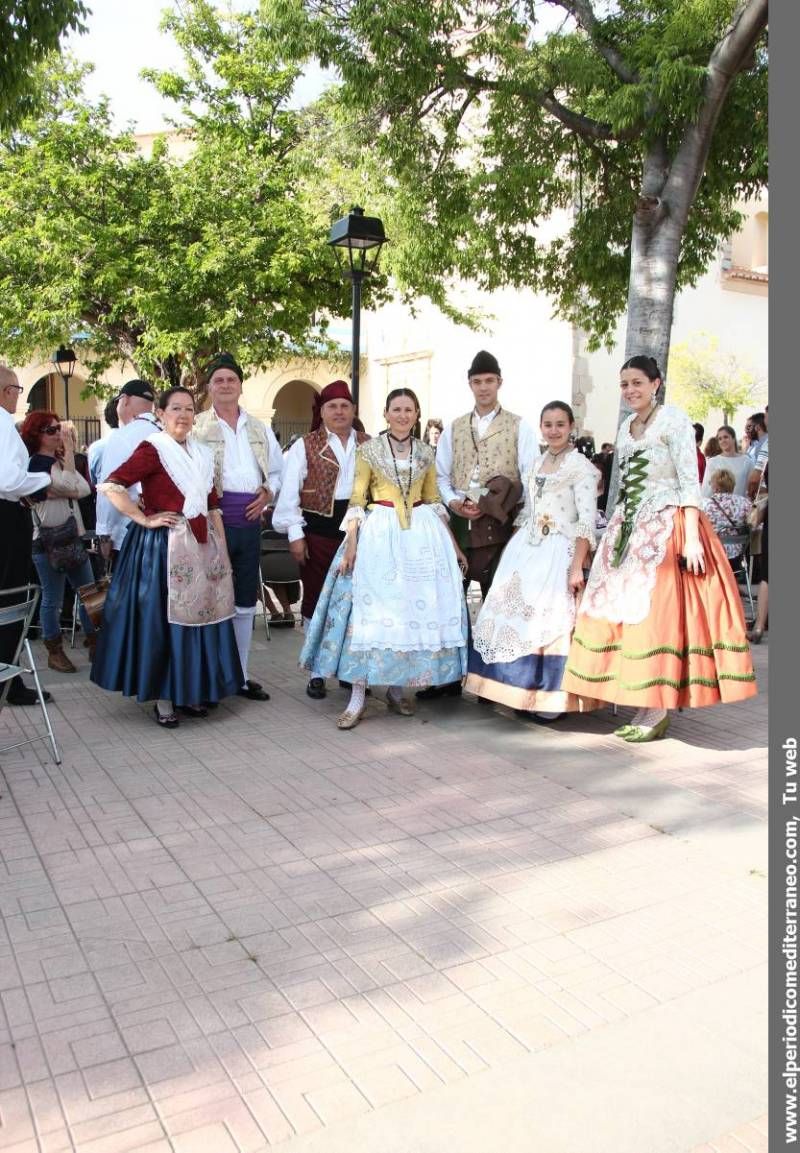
x=42, y=705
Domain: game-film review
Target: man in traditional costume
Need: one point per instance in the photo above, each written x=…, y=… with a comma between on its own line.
x=480, y=459
x=317, y=484
x=247, y=477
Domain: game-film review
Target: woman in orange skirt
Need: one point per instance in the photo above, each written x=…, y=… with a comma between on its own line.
x=661, y=623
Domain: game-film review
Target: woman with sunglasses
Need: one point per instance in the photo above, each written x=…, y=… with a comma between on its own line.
x=52, y=450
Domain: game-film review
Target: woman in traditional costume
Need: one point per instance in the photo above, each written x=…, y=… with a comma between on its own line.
x=400, y=619
x=166, y=633
x=661, y=624
x=521, y=637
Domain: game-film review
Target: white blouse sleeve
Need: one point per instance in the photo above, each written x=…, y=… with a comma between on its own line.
x=524, y=514
x=683, y=450
x=586, y=501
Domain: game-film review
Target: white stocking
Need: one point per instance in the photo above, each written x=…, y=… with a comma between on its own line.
x=165, y=708
x=648, y=718
x=395, y=692
x=243, y=631
x=357, y=695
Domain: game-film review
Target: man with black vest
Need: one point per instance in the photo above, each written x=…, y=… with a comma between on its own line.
x=317, y=484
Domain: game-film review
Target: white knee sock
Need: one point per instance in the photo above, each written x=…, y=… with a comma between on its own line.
x=357, y=695
x=243, y=631
x=648, y=718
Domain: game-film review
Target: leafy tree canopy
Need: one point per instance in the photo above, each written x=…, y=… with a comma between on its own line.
x=29, y=30
x=217, y=241
x=484, y=119
x=705, y=378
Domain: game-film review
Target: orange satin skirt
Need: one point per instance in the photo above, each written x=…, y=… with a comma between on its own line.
x=690, y=650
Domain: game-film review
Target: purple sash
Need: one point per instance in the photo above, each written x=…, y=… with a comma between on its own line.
x=232, y=505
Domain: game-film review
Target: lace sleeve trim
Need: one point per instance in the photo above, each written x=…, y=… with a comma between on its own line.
x=108, y=486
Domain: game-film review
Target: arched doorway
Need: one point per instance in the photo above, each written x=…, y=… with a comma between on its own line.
x=47, y=395
x=293, y=405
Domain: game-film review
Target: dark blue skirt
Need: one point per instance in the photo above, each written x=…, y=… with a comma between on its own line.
x=140, y=654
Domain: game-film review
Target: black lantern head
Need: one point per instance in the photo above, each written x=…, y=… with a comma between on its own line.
x=65, y=360
x=357, y=241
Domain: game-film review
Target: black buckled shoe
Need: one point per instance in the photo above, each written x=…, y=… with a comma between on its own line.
x=433, y=692
x=316, y=689
x=193, y=710
x=253, y=691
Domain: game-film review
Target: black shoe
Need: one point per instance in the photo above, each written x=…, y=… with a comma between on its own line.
x=193, y=710
x=345, y=685
x=316, y=689
x=168, y=722
x=253, y=691
x=20, y=694
x=435, y=691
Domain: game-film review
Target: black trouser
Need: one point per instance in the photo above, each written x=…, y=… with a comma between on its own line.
x=16, y=532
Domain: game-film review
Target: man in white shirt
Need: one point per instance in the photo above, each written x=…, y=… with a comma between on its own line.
x=94, y=454
x=476, y=448
x=136, y=423
x=317, y=483
x=247, y=476
x=16, y=529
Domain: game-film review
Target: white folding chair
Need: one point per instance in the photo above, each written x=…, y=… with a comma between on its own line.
x=741, y=563
x=22, y=612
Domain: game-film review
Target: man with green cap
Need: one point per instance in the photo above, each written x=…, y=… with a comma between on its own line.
x=247, y=477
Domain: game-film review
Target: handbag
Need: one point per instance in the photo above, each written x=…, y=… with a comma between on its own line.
x=755, y=520
x=93, y=599
x=62, y=545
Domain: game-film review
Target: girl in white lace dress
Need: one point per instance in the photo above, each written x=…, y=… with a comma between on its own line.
x=661, y=624
x=521, y=638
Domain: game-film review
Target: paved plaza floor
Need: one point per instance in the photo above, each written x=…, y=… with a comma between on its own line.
x=451, y=933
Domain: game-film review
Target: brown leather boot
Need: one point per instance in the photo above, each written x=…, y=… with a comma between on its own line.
x=56, y=657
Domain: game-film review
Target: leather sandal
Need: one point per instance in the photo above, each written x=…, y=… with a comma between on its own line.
x=400, y=705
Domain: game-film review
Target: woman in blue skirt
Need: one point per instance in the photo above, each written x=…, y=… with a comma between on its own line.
x=167, y=634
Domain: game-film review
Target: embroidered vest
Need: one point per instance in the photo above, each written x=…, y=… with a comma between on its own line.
x=319, y=487
x=208, y=431
x=497, y=453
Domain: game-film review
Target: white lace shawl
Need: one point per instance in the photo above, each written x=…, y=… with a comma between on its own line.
x=190, y=467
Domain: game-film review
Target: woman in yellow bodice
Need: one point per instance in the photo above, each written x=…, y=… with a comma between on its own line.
x=392, y=610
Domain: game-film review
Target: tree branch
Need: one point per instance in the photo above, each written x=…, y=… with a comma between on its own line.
x=729, y=56
x=583, y=13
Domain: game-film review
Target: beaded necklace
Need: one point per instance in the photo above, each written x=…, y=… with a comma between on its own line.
x=404, y=492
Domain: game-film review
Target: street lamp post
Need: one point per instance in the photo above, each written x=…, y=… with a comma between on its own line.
x=64, y=360
x=362, y=238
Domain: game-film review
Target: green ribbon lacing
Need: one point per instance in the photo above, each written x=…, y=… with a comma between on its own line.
x=633, y=484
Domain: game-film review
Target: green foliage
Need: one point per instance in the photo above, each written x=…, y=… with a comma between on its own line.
x=29, y=30
x=483, y=120
x=704, y=379
x=217, y=239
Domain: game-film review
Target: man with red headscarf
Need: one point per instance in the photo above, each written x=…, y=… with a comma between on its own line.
x=317, y=483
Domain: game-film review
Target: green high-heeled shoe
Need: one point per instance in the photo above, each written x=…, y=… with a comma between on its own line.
x=640, y=736
x=622, y=730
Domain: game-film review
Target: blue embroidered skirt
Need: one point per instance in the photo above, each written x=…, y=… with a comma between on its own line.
x=327, y=650
x=139, y=654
